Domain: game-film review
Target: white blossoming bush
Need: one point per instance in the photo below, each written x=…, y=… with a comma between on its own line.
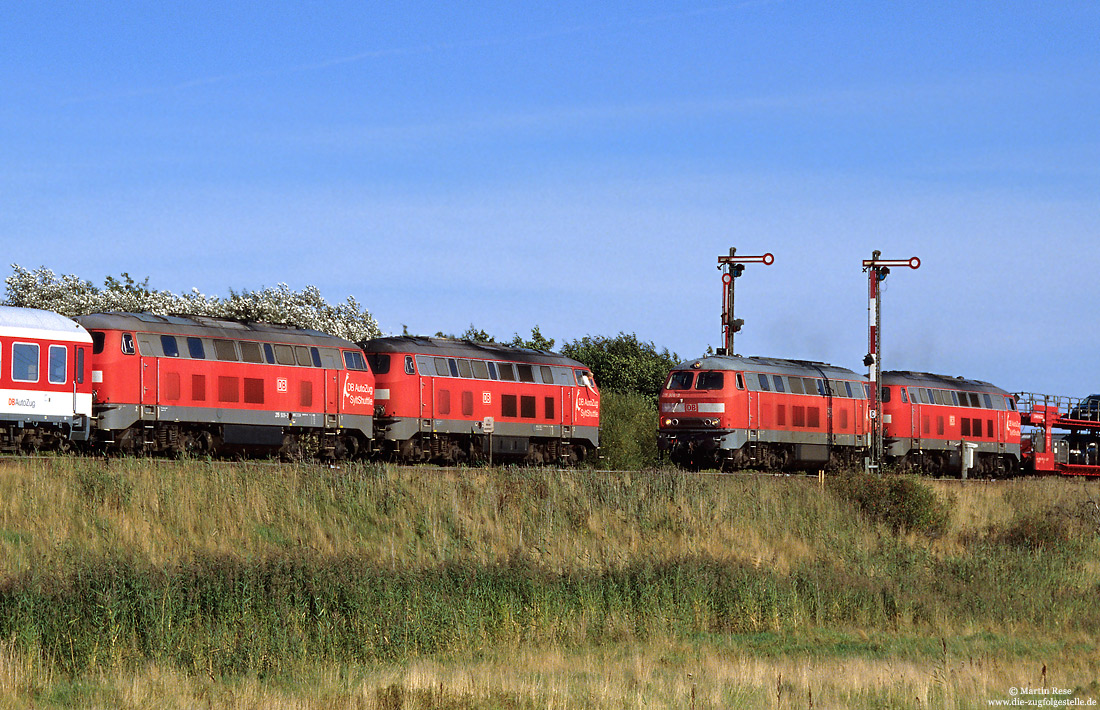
x=72, y=296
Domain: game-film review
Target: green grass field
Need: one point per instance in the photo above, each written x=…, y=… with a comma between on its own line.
x=141, y=583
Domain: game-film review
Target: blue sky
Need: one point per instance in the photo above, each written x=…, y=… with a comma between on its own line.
x=581, y=166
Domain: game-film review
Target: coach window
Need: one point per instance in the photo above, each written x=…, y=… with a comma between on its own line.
x=525, y=374
x=481, y=372
x=710, y=381
x=507, y=372
x=225, y=350
x=195, y=349
x=315, y=356
x=301, y=354
x=681, y=380
x=464, y=369
x=24, y=362
x=128, y=344
x=80, y=366
x=452, y=366
x=284, y=354
x=410, y=365
x=763, y=380
x=98, y=339
x=169, y=346
x=269, y=354
x=58, y=365
x=547, y=375
x=440, y=366
x=250, y=352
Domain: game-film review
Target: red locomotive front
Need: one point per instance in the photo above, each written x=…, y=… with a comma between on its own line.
x=445, y=400
x=168, y=383
x=733, y=412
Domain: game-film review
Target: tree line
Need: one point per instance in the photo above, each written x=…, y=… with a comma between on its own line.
x=620, y=363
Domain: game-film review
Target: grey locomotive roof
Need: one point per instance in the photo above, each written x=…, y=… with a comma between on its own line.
x=449, y=347
x=204, y=326
x=770, y=365
x=928, y=379
x=36, y=323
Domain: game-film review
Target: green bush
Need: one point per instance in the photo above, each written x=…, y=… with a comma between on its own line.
x=903, y=503
x=628, y=431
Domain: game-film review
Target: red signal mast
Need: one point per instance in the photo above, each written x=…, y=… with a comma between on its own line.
x=733, y=266
x=877, y=270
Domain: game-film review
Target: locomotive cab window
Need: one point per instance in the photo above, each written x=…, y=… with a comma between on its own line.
x=681, y=380
x=353, y=360
x=886, y=394
x=98, y=339
x=739, y=380
x=128, y=344
x=1011, y=403
x=24, y=362
x=380, y=363
x=410, y=365
x=710, y=381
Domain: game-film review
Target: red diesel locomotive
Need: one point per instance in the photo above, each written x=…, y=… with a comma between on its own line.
x=45, y=380
x=733, y=412
x=928, y=418
x=435, y=397
x=169, y=384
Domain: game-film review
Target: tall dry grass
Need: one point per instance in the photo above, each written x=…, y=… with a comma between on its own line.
x=141, y=582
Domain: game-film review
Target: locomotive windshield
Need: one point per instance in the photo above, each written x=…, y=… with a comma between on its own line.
x=681, y=380
x=710, y=381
